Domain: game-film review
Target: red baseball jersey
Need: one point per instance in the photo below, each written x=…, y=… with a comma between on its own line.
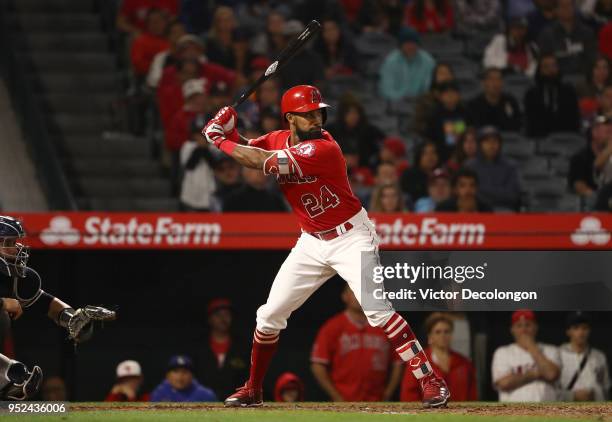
x=358, y=357
x=460, y=378
x=312, y=176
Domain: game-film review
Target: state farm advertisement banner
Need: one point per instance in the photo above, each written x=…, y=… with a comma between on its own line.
x=95, y=230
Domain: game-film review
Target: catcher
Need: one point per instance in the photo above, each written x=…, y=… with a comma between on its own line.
x=23, y=291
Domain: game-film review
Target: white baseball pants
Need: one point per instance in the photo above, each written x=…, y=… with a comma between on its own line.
x=312, y=262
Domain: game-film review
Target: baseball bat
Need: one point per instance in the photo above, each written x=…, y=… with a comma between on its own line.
x=294, y=46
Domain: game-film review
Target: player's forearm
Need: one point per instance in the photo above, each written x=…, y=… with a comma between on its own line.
x=250, y=157
x=397, y=370
x=56, y=307
x=322, y=376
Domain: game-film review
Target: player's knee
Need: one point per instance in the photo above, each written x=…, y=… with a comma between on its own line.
x=269, y=320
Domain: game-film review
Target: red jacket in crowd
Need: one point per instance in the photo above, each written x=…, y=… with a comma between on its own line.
x=432, y=21
x=461, y=379
x=144, y=49
x=358, y=357
x=136, y=10
x=170, y=90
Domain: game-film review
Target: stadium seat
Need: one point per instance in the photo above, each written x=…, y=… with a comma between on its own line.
x=534, y=168
x=519, y=151
x=54, y=41
x=517, y=85
x=375, y=44
x=53, y=6
x=61, y=23
x=552, y=187
x=560, y=165
x=566, y=203
x=561, y=143
x=442, y=46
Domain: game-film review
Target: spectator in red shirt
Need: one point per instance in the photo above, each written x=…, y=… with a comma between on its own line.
x=150, y=42
x=129, y=382
x=190, y=48
x=430, y=16
x=394, y=151
x=457, y=370
x=353, y=361
x=605, y=40
x=133, y=13
x=289, y=388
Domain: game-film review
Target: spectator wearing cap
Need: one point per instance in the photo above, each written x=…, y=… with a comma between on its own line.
x=511, y=51
x=550, y=105
x=583, y=172
x=197, y=161
x=221, y=361
x=465, y=150
x=526, y=370
x=227, y=177
x=149, y=43
x=406, y=71
x=425, y=105
x=167, y=57
x=254, y=195
x=179, y=129
x=499, y=181
x=414, y=179
x=585, y=374
x=456, y=369
x=430, y=15
x=387, y=198
x=494, y=107
x=180, y=385
x=354, y=131
x=439, y=190
x=449, y=119
x=572, y=42
x=465, y=194
x=306, y=67
x=128, y=384
x=289, y=388
x=393, y=151
x=335, y=49
x=132, y=14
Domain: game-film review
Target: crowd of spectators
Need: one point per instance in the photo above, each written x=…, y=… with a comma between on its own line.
x=195, y=56
x=353, y=361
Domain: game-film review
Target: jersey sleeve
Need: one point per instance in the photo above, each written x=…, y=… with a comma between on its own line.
x=501, y=365
x=324, y=346
x=309, y=158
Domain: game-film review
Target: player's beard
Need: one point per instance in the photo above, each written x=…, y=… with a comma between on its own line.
x=306, y=135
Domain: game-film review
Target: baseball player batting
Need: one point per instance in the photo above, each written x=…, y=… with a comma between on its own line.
x=21, y=287
x=311, y=170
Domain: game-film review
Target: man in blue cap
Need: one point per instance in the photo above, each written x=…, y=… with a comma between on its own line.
x=406, y=71
x=179, y=385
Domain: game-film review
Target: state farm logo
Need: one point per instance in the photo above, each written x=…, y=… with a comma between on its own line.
x=590, y=231
x=431, y=231
x=60, y=230
x=104, y=231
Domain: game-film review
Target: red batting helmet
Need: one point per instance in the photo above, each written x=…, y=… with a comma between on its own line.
x=302, y=99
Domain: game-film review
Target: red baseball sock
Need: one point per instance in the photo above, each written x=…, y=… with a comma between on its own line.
x=264, y=347
x=407, y=346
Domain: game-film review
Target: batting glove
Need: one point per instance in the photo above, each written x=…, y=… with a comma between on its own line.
x=228, y=119
x=214, y=133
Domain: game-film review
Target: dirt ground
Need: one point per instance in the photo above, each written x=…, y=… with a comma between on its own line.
x=599, y=412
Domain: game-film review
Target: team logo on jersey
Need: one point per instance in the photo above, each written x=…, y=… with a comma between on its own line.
x=304, y=149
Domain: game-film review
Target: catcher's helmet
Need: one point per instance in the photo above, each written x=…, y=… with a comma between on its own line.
x=13, y=255
x=302, y=99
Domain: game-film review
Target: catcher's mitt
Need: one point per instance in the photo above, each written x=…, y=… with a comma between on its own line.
x=80, y=326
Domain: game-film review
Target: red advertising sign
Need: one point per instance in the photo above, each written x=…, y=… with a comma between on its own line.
x=100, y=230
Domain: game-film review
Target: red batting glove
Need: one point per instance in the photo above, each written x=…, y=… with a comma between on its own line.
x=213, y=131
x=228, y=119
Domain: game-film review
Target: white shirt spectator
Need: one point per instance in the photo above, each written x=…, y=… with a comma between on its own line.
x=594, y=376
x=156, y=69
x=199, y=182
x=514, y=359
